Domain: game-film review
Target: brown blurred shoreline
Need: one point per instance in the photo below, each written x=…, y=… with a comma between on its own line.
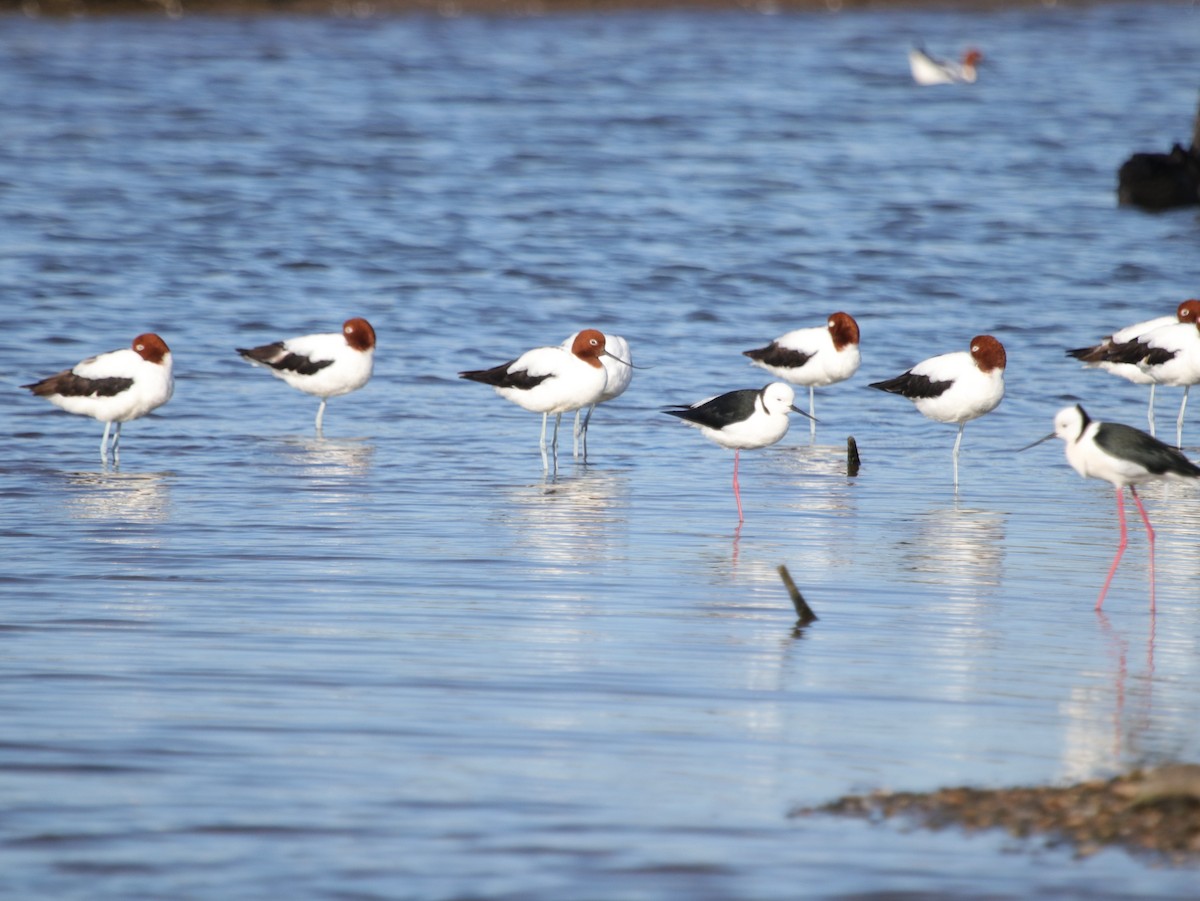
x=508, y=8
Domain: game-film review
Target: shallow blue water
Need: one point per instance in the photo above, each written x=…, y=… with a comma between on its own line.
x=398, y=662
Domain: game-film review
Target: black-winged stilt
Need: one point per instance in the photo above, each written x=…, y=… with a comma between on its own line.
x=1124, y=457
x=747, y=418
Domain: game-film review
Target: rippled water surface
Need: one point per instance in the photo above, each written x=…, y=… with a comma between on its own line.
x=398, y=662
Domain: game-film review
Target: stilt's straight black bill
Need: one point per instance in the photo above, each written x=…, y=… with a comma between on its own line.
x=1036, y=443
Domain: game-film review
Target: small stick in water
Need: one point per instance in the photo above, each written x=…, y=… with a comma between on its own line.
x=803, y=611
x=852, y=460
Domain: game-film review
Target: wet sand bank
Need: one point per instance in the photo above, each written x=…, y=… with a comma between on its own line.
x=1154, y=811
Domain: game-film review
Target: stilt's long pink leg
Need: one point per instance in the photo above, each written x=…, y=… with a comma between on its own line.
x=1120, y=547
x=737, y=495
x=1150, y=535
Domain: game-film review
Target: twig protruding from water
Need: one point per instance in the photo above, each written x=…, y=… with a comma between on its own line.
x=804, y=612
x=852, y=458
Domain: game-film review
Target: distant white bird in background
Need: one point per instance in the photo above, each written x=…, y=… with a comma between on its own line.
x=815, y=357
x=325, y=365
x=927, y=70
x=748, y=418
x=1096, y=356
x=955, y=387
x=1122, y=456
x=618, y=366
x=117, y=386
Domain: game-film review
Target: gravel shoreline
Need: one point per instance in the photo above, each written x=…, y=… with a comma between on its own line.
x=1153, y=812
